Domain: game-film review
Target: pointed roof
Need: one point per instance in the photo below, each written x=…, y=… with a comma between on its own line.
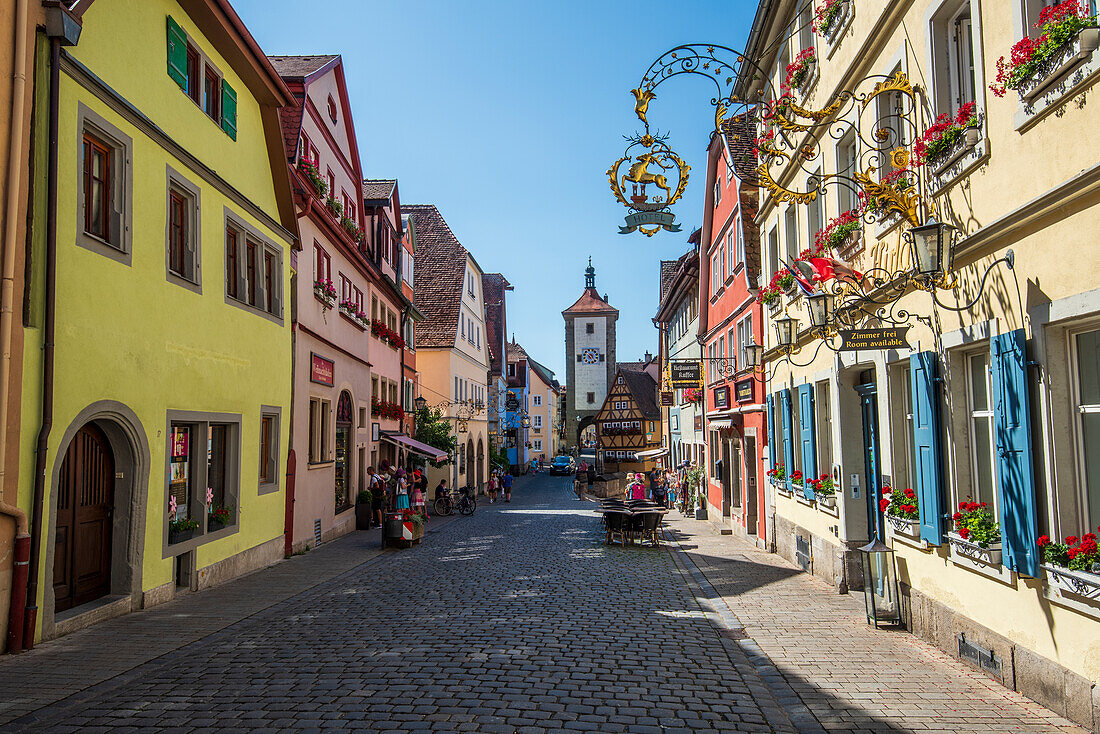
x=643, y=388
x=590, y=302
x=300, y=67
x=378, y=189
x=440, y=268
x=545, y=373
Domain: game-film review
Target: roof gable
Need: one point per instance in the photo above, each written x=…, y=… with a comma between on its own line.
x=590, y=302
x=441, y=263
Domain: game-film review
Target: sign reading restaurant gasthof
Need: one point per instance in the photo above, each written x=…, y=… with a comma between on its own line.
x=685, y=373
x=321, y=370
x=861, y=339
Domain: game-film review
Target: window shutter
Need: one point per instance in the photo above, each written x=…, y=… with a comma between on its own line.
x=177, y=54
x=788, y=448
x=809, y=444
x=277, y=285
x=774, y=445
x=1012, y=429
x=229, y=110
x=926, y=446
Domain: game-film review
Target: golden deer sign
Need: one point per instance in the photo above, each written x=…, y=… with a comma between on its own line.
x=639, y=175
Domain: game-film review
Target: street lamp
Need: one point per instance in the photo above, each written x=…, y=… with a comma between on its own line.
x=420, y=403
x=931, y=247
x=754, y=353
x=880, y=584
x=821, y=307
x=785, y=327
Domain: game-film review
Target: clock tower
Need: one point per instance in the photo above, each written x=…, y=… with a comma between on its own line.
x=589, y=356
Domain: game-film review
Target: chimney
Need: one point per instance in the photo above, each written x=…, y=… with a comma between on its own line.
x=648, y=357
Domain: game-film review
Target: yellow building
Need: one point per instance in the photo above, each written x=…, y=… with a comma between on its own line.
x=156, y=375
x=992, y=394
x=542, y=409
x=452, y=353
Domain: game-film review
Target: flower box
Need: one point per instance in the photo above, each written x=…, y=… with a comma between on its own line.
x=178, y=536
x=1081, y=584
x=826, y=500
x=775, y=305
x=904, y=527
x=1074, y=52
x=966, y=143
x=989, y=555
x=213, y=525
x=838, y=19
x=326, y=297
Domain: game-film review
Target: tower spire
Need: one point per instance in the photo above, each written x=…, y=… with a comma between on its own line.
x=590, y=275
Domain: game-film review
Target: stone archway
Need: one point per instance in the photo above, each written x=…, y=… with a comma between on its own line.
x=125, y=438
x=584, y=423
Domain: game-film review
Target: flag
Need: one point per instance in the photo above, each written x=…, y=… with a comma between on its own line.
x=830, y=267
x=804, y=283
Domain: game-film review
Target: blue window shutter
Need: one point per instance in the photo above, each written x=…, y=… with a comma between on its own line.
x=788, y=438
x=772, y=443
x=807, y=439
x=927, y=471
x=1012, y=429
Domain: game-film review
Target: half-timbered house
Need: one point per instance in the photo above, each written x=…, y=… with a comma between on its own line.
x=629, y=423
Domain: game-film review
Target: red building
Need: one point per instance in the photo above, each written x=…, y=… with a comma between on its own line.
x=729, y=318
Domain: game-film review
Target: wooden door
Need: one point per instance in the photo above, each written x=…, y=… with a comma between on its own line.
x=85, y=500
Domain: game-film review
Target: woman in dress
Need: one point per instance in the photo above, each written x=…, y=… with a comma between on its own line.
x=638, y=487
x=402, y=490
x=492, y=488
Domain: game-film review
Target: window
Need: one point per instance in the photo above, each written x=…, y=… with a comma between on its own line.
x=319, y=410
x=714, y=274
x=891, y=133
x=823, y=428
x=1087, y=363
x=256, y=269
x=721, y=346
x=182, y=229
x=591, y=398
x=745, y=337
x=203, y=456
x=790, y=220
x=982, y=445
x=537, y=444
x=773, y=250
x=731, y=249
x=331, y=109
x=731, y=343
x=511, y=369
x=252, y=292
x=537, y=421
x=589, y=328
x=232, y=273
x=847, y=164
x=213, y=95
x=805, y=27
x=537, y=401
x=813, y=210
x=97, y=187
x=322, y=264
x=960, y=58
x=194, y=90
x=652, y=426
x=717, y=193
x=269, y=450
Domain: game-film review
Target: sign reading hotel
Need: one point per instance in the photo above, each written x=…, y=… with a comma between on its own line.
x=685, y=373
x=863, y=339
x=321, y=370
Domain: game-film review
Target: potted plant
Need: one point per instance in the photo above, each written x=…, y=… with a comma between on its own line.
x=325, y=292
x=309, y=170
x=693, y=395
x=976, y=535
x=837, y=233
x=219, y=517
x=334, y=206
x=796, y=478
x=824, y=490
x=945, y=140
x=363, y=515
x=179, y=529
x=770, y=296
x=778, y=477
x=1073, y=566
x=902, y=511
x=800, y=70
x=828, y=15
x=1067, y=36
x=784, y=279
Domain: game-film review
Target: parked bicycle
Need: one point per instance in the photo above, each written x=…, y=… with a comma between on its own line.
x=446, y=504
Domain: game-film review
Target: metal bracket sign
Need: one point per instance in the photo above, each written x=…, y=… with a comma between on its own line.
x=869, y=339
x=666, y=220
x=684, y=373
x=667, y=398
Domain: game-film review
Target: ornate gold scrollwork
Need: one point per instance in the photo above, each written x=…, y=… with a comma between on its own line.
x=890, y=196
x=779, y=193
x=899, y=82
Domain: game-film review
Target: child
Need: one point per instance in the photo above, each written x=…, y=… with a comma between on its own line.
x=402, y=490
x=418, y=503
x=492, y=488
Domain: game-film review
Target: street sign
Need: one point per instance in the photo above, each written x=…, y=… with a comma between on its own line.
x=867, y=339
x=511, y=403
x=685, y=373
x=667, y=397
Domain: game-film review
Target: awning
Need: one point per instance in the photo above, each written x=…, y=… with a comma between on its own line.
x=651, y=454
x=411, y=444
x=727, y=423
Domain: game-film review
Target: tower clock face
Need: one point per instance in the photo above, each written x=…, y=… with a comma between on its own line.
x=590, y=356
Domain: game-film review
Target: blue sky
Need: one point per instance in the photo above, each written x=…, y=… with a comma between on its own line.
x=506, y=115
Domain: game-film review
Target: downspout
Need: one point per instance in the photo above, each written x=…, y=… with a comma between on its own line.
x=7, y=302
x=30, y=620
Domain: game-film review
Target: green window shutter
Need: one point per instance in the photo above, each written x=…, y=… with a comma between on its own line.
x=229, y=110
x=177, y=54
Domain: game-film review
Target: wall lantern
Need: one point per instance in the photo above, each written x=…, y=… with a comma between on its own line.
x=754, y=353
x=880, y=584
x=420, y=403
x=461, y=426
x=785, y=328
x=931, y=245
x=821, y=307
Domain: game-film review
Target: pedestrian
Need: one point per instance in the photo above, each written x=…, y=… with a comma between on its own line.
x=492, y=488
x=401, y=489
x=441, y=489
x=638, y=487
x=377, y=495
x=418, y=503
x=660, y=490
x=590, y=474
x=508, y=487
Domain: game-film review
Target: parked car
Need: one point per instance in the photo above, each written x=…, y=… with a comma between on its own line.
x=563, y=465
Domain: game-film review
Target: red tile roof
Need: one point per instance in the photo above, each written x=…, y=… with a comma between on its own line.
x=494, y=286
x=299, y=67
x=440, y=268
x=591, y=302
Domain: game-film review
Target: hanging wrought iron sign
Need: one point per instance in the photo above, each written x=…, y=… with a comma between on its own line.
x=870, y=339
x=651, y=163
x=685, y=373
x=667, y=398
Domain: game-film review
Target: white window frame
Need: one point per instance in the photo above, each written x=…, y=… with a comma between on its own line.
x=973, y=415
x=1079, y=409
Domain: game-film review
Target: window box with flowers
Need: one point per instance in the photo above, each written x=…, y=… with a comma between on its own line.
x=831, y=17
x=335, y=207
x=350, y=310
x=220, y=517
x=778, y=478
x=352, y=229
x=800, y=72
x=902, y=512
x=1043, y=69
x=824, y=490
x=386, y=409
x=839, y=234
x=950, y=146
x=314, y=177
x=325, y=292
x=1073, y=566
x=977, y=536
x=386, y=334
x=693, y=395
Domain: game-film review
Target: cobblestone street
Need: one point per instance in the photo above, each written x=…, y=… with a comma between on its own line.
x=516, y=619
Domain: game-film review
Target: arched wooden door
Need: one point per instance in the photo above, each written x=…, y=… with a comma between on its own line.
x=344, y=419
x=480, y=463
x=85, y=500
x=469, y=463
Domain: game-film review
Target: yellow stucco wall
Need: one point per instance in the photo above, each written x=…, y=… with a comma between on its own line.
x=124, y=332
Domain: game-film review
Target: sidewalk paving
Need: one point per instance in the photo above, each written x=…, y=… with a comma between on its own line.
x=827, y=666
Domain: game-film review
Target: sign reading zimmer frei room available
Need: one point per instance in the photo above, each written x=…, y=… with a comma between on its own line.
x=861, y=339
x=685, y=373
